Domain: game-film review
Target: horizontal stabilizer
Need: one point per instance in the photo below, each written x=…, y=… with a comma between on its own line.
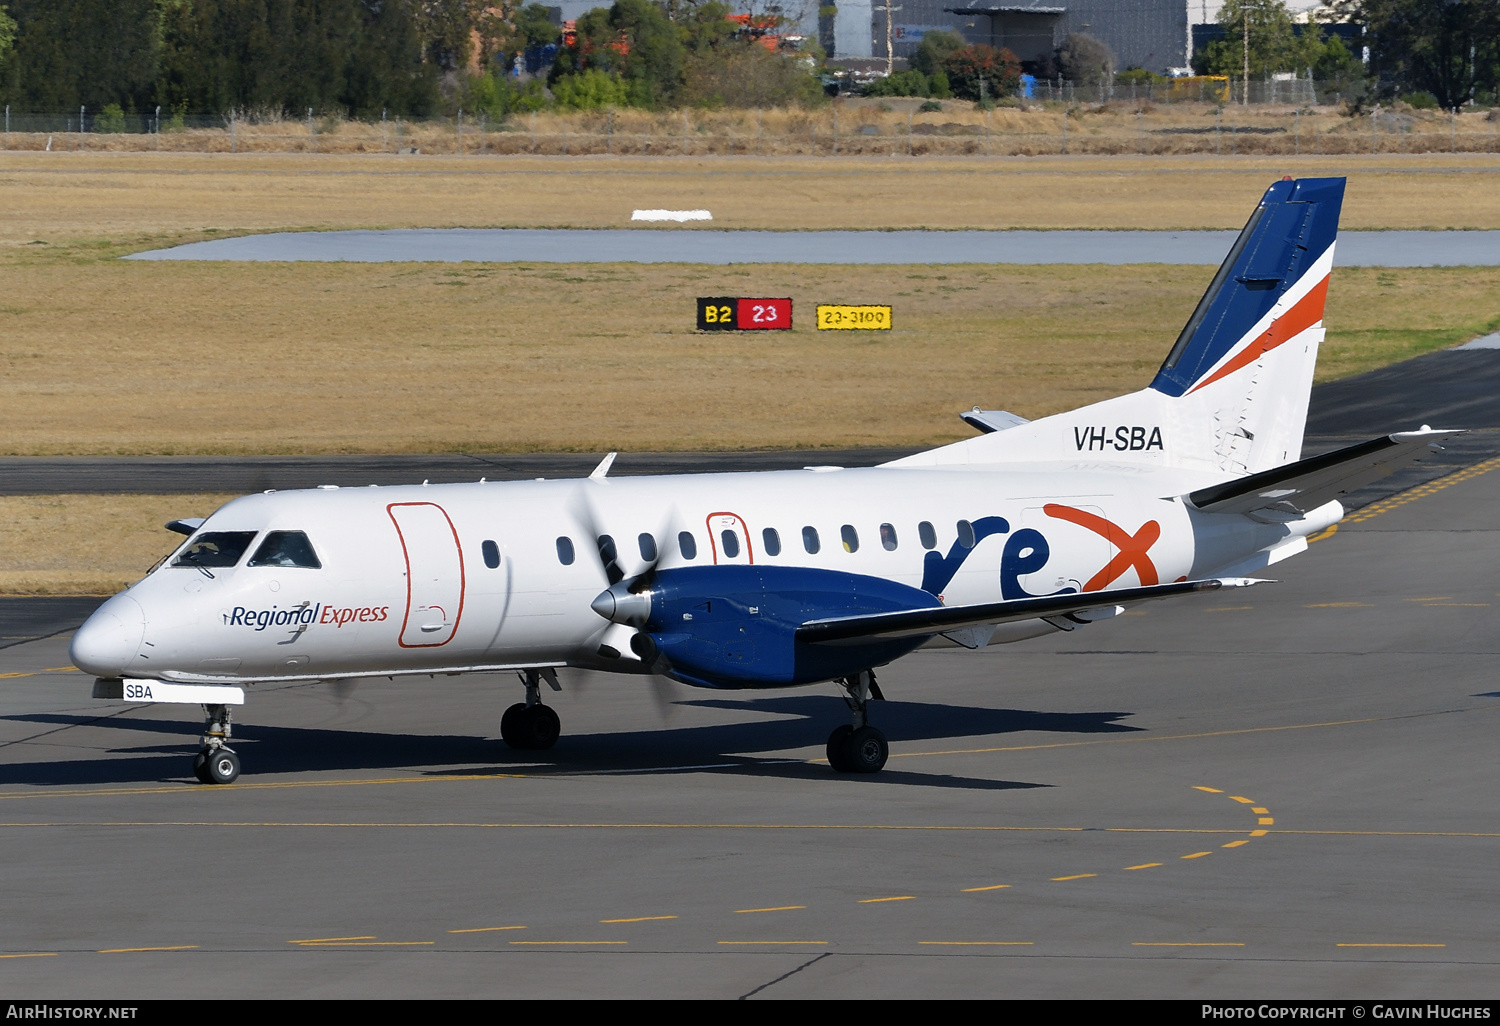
x=187, y=525
x=910, y=623
x=1298, y=488
x=990, y=421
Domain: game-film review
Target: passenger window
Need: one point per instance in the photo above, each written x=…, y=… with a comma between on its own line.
x=851, y=538
x=731, y=544
x=810, y=540
x=772, y=541
x=966, y=534
x=286, y=548
x=215, y=549
x=888, y=537
x=607, y=551
x=565, y=551
x=491, y=554
x=648, y=547
x=688, y=545
x=927, y=535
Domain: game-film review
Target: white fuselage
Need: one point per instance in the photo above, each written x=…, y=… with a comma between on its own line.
x=406, y=582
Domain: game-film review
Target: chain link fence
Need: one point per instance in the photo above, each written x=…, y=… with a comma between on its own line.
x=1102, y=123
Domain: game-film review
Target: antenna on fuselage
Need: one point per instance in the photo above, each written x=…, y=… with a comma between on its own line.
x=603, y=468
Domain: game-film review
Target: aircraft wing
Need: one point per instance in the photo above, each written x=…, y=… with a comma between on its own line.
x=909, y=623
x=1301, y=487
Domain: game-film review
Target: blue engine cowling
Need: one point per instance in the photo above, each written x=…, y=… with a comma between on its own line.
x=734, y=626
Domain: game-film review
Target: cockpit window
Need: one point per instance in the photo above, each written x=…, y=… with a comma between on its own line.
x=286, y=548
x=215, y=549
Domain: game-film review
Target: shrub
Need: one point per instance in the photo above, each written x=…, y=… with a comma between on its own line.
x=590, y=90
x=1421, y=101
x=998, y=70
x=110, y=119
x=1085, y=60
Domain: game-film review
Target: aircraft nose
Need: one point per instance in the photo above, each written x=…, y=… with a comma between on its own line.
x=110, y=639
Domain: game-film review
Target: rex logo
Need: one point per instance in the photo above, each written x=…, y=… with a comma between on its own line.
x=1134, y=549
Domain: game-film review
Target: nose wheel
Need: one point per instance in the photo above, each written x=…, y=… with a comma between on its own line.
x=530, y=725
x=858, y=747
x=216, y=762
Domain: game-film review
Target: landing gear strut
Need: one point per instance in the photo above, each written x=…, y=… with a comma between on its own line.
x=530, y=724
x=216, y=762
x=858, y=747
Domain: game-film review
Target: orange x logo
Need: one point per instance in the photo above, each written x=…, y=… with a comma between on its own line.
x=1133, y=548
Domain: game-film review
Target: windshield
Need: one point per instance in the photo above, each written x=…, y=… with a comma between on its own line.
x=215, y=549
x=286, y=548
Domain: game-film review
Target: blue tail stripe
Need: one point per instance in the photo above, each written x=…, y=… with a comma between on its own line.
x=1295, y=224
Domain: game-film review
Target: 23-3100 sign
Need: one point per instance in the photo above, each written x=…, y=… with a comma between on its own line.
x=737, y=314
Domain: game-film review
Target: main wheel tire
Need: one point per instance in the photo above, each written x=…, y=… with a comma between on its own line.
x=867, y=750
x=838, y=748
x=223, y=766
x=200, y=767
x=546, y=728
x=512, y=730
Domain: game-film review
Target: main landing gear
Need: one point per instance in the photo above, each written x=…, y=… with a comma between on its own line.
x=216, y=762
x=530, y=724
x=858, y=747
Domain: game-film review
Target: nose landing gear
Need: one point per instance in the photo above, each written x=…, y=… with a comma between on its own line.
x=216, y=762
x=530, y=725
x=858, y=747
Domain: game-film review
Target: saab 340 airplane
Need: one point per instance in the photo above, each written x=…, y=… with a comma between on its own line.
x=784, y=578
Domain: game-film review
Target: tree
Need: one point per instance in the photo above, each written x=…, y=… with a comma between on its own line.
x=1084, y=60
x=68, y=53
x=935, y=45
x=1449, y=48
x=7, y=33
x=998, y=70
x=1274, y=43
x=359, y=56
x=636, y=41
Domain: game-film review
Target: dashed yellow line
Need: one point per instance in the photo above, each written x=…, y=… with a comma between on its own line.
x=1076, y=876
x=126, y=951
x=778, y=908
x=781, y=943
x=991, y=887
x=980, y=944
x=372, y=944
x=1242, y=801
x=1261, y=810
x=1392, y=945
x=34, y=673
x=31, y=954
x=638, y=919
x=1208, y=790
x=1400, y=499
x=1145, y=865
x=488, y=929
x=330, y=940
x=1234, y=844
x=1197, y=855
x=876, y=901
x=1187, y=944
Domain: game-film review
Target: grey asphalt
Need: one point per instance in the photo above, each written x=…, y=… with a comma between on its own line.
x=1287, y=794
x=710, y=246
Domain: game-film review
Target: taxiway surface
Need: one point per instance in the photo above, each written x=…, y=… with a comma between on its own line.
x=1290, y=792
x=711, y=246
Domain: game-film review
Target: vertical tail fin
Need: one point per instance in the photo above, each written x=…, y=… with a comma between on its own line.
x=1250, y=347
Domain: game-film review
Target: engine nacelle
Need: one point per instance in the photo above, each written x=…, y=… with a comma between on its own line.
x=735, y=626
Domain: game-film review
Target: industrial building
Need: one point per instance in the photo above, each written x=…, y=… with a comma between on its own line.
x=1151, y=34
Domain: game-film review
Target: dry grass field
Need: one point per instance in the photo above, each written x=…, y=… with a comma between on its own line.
x=108, y=356
x=88, y=544
x=138, y=201
x=104, y=356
